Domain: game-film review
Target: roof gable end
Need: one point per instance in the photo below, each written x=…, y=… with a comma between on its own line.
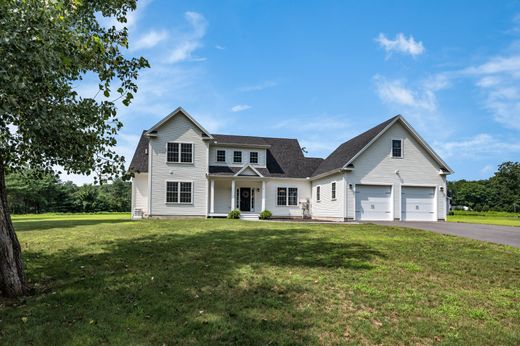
x=170, y=116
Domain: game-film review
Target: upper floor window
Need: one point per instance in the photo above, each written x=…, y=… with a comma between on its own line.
x=318, y=193
x=180, y=152
x=333, y=190
x=221, y=156
x=397, y=148
x=253, y=157
x=237, y=156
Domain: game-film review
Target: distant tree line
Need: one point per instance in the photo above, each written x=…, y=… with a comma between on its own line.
x=30, y=192
x=501, y=192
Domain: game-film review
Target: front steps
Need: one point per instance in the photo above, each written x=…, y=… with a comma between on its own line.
x=249, y=217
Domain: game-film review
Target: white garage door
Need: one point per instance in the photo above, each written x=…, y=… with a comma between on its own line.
x=417, y=203
x=373, y=202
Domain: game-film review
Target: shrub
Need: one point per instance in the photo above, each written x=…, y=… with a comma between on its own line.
x=234, y=214
x=266, y=214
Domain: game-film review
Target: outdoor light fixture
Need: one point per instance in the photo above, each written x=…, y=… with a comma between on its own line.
x=350, y=186
x=442, y=188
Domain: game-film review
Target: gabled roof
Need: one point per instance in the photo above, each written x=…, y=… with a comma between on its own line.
x=177, y=111
x=347, y=152
x=284, y=159
x=248, y=167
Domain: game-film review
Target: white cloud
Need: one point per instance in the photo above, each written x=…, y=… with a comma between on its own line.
x=397, y=93
x=219, y=47
x=259, y=86
x=487, y=170
x=149, y=40
x=240, y=108
x=190, y=41
x=478, y=147
x=400, y=44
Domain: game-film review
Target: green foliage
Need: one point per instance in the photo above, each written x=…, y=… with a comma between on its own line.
x=46, y=49
x=32, y=192
x=234, y=214
x=501, y=192
x=265, y=215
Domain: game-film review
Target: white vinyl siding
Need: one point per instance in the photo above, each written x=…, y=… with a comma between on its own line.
x=375, y=165
x=179, y=130
x=228, y=161
x=329, y=207
x=272, y=185
x=140, y=192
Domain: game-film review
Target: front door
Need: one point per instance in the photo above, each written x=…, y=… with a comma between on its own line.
x=245, y=199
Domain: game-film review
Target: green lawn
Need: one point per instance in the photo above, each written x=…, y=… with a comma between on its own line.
x=101, y=279
x=486, y=217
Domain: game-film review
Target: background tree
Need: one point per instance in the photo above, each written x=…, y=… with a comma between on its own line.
x=46, y=46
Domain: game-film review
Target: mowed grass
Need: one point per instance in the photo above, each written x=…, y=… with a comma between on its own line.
x=102, y=279
x=486, y=217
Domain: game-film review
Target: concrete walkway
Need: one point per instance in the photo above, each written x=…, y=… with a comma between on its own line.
x=507, y=235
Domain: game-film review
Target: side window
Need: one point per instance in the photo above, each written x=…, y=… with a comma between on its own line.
x=281, y=198
x=221, y=156
x=318, y=192
x=237, y=157
x=397, y=148
x=253, y=157
x=292, y=198
x=179, y=192
x=333, y=190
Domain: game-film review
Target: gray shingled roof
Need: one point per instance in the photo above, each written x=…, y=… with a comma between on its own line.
x=139, y=162
x=284, y=155
x=346, y=151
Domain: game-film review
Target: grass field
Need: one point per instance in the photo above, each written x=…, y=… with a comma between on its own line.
x=486, y=217
x=101, y=279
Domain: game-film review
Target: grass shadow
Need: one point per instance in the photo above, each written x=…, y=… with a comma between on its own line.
x=249, y=286
x=43, y=225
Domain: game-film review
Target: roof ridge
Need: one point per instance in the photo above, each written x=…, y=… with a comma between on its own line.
x=263, y=137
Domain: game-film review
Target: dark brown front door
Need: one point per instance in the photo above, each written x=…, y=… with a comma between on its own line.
x=245, y=199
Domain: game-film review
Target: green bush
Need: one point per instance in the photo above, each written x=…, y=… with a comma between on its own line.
x=234, y=214
x=266, y=214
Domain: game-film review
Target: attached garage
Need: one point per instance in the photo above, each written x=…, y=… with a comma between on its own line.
x=373, y=203
x=418, y=203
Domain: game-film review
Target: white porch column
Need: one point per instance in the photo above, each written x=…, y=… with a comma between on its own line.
x=233, y=194
x=263, y=195
x=212, y=197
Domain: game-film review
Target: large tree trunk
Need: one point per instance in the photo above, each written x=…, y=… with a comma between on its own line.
x=12, y=277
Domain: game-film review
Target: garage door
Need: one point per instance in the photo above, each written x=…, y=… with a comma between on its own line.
x=373, y=202
x=417, y=203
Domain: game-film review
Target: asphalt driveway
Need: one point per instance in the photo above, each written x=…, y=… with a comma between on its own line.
x=506, y=235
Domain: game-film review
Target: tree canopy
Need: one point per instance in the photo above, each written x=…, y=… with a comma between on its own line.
x=501, y=192
x=46, y=49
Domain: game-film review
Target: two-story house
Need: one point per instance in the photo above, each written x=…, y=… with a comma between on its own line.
x=386, y=173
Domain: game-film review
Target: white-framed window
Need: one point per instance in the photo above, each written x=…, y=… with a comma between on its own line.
x=253, y=157
x=333, y=190
x=318, y=193
x=287, y=196
x=180, y=192
x=221, y=156
x=179, y=152
x=397, y=148
x=237, y=157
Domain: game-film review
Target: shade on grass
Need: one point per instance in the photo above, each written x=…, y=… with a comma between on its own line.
x=109, y=280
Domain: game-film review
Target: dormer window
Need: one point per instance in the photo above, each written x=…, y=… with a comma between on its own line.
x=179, y=153
x=397, y=148
x=253, y=157
x=221, y=156
x=237, y=157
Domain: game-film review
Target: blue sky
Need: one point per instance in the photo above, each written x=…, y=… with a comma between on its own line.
x=324, y=71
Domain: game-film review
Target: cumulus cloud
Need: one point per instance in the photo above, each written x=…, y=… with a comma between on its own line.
x=396, y=92
x=400, y=44
x=240, y=108
x=190, y=41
